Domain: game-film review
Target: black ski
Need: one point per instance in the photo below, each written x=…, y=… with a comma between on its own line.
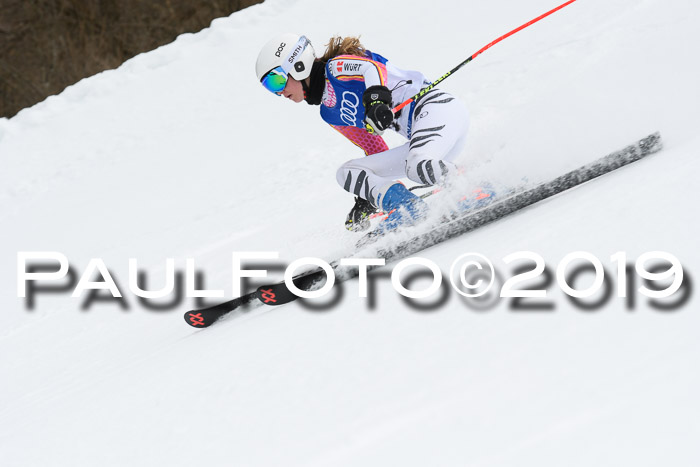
x=500, y=208
x=205, y=317
x=279, y=294
x=273, y=294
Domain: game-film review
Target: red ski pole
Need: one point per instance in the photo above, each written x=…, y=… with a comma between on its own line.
x=443, y=77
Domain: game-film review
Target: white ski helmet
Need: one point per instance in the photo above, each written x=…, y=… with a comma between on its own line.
x=292, y=52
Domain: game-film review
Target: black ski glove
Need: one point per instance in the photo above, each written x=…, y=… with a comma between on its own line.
x=378, y=114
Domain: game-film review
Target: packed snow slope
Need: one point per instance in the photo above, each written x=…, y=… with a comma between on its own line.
x=181, y=154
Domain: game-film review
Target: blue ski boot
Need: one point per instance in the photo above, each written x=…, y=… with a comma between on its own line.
x=478, y=198
x=402, y=206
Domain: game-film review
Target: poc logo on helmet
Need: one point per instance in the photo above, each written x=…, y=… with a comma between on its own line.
x=280, y=49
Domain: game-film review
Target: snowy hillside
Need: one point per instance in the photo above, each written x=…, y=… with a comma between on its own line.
x=181, y=154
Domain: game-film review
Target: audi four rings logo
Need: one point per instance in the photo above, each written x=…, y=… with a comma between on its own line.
x=348, y=108
x=280, y=49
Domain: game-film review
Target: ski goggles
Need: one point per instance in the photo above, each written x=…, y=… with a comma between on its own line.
x=275, y=80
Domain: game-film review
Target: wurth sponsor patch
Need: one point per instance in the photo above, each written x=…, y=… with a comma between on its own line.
x=344, y=67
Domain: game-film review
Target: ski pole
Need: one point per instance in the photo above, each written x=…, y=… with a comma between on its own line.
x=443, y=77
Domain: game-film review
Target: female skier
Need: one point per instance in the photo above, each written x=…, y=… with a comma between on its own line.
x=356, y=90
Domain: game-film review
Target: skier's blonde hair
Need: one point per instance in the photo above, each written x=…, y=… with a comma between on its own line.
x=338, y=45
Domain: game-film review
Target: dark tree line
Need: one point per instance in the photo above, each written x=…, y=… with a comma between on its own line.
x=46, y=45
